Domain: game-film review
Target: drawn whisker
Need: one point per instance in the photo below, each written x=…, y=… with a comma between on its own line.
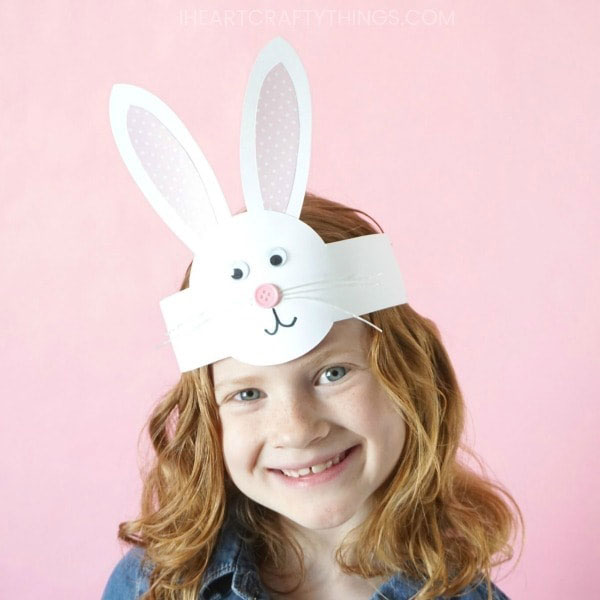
x=295, y=295
x=350, y=279
x=190, y=326
x=184, y=328
x=336, y=284
x=342, y=309
x=304, y=285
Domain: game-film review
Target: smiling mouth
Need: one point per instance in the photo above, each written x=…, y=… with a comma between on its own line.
x=321, y=473
x=278, y=323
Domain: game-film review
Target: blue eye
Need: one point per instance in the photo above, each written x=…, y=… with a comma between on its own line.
x=333, y=374
x=247, y=395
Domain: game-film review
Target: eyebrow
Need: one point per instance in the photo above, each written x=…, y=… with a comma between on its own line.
x=316, y=358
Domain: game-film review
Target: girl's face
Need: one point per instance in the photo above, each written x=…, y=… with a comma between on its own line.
x=279, y=419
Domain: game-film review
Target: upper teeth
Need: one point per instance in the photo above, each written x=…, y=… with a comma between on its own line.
x=315, y=468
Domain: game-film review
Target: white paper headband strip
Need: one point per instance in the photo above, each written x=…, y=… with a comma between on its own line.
x=264, y=287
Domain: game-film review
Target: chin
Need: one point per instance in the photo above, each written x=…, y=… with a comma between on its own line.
x=324, y=518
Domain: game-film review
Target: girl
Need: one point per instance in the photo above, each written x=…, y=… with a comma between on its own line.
x=387, y=510
x=310, y=449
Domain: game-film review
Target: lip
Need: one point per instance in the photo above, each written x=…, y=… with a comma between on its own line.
x=318, y=478
x=316, y=461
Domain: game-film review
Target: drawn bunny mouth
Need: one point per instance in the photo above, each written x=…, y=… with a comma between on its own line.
x=278, y=323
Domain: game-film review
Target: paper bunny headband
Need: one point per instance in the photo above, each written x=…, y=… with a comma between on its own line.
x=264, y=288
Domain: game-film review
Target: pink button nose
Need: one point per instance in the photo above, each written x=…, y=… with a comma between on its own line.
x=267, y=295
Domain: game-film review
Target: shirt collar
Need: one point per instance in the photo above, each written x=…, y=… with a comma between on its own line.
x=234, y=561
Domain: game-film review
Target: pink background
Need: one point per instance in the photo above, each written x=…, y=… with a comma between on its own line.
x=468, y=129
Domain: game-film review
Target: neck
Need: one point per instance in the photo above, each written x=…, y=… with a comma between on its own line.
x=322, y=572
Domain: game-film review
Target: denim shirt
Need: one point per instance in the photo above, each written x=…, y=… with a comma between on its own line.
x=232, y=575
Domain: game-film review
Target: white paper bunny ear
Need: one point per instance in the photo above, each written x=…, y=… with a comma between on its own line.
x=166, y=163
x=276, y=131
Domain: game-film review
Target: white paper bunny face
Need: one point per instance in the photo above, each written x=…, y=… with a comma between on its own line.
x=264, y=287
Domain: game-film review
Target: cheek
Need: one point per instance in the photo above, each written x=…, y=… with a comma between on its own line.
x=371, y=407
x=397, y=433
x=392, y=427
x=239, y=446
x=379, y=421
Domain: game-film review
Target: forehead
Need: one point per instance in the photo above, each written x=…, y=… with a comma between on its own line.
x=349, y=336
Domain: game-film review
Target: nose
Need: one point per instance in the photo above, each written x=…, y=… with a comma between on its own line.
x=267, y=295
x=296, y=421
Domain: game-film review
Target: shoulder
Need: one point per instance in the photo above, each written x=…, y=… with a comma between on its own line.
x=480, y=592
x=401, y=587
x=129, y=579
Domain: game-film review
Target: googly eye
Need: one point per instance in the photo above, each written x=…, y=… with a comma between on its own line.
x=277, y=257
x=239, y=270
